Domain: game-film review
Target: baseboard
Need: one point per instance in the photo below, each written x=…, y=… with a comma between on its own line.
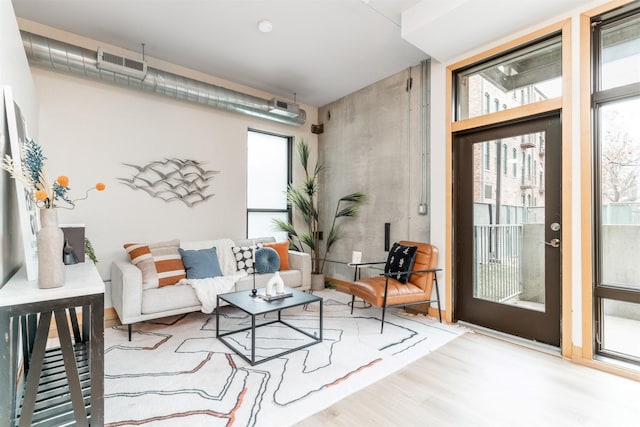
x=430, y=311
x=338, y=285
x=111, y=318
x=610, y=366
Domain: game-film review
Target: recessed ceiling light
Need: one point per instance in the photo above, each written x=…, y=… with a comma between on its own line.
x=265, y=26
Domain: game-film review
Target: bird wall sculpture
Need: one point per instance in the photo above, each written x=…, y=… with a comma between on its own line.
x=172, y=180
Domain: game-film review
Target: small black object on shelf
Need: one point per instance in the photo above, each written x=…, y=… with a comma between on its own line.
x=68, y=255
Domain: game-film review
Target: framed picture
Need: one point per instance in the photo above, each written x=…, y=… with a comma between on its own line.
x=28, y=212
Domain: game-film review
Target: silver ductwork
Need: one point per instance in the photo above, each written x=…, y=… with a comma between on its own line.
x=64, y=57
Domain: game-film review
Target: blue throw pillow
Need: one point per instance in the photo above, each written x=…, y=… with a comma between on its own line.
x=401, y=258
x=201, y=264
x=267, y=260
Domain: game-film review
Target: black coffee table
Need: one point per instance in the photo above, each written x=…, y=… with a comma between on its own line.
x=256, y=307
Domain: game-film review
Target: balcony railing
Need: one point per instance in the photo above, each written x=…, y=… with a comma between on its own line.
x=498, y=262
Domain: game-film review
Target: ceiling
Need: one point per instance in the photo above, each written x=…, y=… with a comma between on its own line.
x=318, y=51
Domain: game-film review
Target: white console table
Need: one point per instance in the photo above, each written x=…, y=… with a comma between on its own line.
x=65, y=384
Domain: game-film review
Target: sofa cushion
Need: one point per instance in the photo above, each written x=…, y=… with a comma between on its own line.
x=160, y=263
x=283, y=253
x=267, y=260
x=226, y=258
x=163, y=300
x=244, y=257
x=201, y=264
x=291, y=278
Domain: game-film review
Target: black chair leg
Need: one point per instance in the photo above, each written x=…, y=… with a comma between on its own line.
x=353, y=300
x=129, y=327
x=384, y=308
x=435, y=279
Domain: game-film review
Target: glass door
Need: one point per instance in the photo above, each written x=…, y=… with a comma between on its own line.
x=508, y=228
x=616, y=172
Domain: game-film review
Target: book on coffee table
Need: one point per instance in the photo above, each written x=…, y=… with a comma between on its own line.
x=274, y=296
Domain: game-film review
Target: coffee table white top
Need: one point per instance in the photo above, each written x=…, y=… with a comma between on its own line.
x=80, y=280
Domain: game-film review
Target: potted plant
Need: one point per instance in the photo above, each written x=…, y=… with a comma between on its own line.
x=304, y=200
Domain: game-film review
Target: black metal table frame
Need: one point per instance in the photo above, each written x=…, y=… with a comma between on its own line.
x=92, y=334
x=252, y=361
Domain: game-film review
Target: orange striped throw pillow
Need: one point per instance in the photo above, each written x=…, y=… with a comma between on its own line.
x=160, y=263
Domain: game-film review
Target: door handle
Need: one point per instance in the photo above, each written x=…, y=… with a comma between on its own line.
x=554, y=243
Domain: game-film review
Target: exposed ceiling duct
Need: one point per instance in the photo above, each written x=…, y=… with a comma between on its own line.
x=79, y=61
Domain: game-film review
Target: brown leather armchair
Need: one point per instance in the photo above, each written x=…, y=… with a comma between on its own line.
x=385, y=291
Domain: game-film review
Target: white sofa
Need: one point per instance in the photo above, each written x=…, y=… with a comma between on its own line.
x=135, y=304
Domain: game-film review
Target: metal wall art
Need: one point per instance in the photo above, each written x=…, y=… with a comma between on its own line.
x=172, y=179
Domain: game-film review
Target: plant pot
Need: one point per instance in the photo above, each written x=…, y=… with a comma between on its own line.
x=50, y=240
x=317, y=282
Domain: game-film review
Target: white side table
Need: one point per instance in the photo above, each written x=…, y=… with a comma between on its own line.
x=26, y=310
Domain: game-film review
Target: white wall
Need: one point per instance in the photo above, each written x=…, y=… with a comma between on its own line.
x=14, y=72
x=88, y=129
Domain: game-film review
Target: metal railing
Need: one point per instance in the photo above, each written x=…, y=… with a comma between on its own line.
x=497, y=262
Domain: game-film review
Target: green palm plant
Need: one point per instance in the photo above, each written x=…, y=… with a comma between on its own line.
x=304, y=200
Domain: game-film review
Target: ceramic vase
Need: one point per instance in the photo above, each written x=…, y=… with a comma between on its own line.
x=50, y=240
x=269, y=289
x=275, y=285
x=279, y=283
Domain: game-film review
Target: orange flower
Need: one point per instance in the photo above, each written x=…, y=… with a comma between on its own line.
x=41, y=195
x=63, y=181
x=100, y=186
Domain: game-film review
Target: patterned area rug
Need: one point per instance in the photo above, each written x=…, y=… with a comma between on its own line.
x=175, y=372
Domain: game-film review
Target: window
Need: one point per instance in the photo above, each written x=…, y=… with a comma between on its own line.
x=536, y=68
x=487, y=156
x=514, y=161
x=616, y=210
x=268, y=175
x=488, y=192
x=504, y=159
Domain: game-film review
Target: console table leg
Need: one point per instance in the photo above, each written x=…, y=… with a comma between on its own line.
x=33, y=377
x=71, y=368
x=7, y=367
x=96, y=360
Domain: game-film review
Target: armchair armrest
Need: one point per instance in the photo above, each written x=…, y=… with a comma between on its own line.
x=126, y=291
x=356, y=273
x=360, y=264
x=393, y=273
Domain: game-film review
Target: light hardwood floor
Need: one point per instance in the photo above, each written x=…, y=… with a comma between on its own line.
x=478, y=380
